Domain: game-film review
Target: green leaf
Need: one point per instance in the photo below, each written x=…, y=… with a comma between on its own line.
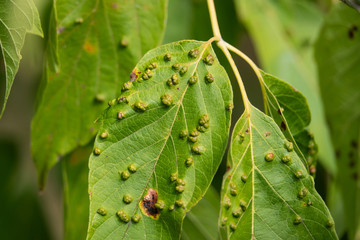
x=283, y=32
x=202, y=221
x=173, y=129
x=268, y=193
x=99, y=42
x=338, y=62
x=290, y=111
x=17, y=18
x=76, y=199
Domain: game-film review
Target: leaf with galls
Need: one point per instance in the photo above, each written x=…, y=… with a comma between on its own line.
x=175, y=132
x=264, y=194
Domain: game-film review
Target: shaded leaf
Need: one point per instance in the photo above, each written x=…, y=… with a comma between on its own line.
x=338, y=62
x=76, y=199
x=173, y=128
x=17, y=18
x=267, y=192
x=283, y=32
x=290, y=111
x=99, y=42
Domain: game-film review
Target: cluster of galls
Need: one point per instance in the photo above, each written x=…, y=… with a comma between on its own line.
x=127, y=198
x=237, y=211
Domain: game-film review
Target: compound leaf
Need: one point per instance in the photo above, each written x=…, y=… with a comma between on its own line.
x=268, y=193
x=97, y=44
x=17, y=18
x=160, y=143
x=338, y=63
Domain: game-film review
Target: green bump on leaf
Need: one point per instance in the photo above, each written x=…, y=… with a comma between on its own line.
x=125, y=175
x=132, y=168
x=183, y=70
x=104, y=135
x=179, y=203
x=97, y=151
x=123, y=216
x=183, y=134
x=160, y=204
x=120, y=115
x=209, y=78
x=128, y=199
x=102, y=211
x=167, y=57
x=140, y=106
x=154, y=140
x=286, y=159
x=297, y=220
x=126, y=86
x=269, y=157
x=189, y=161
x=136, y=218
x=268, y=185
x=176, y=66
x=193, y=80
x=166, y=100
x=194, y=53
x=289, y=146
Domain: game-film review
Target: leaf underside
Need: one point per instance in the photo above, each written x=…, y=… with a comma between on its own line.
x=97, y=43
x=17, y=18
x=265, y=198
x=338, y=60
x=172, y=126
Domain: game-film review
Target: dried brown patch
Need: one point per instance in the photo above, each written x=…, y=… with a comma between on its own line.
x=134, y=75
x=147, y=204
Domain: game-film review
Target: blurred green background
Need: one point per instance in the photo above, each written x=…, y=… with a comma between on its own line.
x=30, y=214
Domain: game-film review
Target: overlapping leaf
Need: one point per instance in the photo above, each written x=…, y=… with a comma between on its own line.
x=283, y=32
x=268, y=193
x=338, y=62
x=160, y=144
x=290, y=111
x=99, y=42
x=17, y=18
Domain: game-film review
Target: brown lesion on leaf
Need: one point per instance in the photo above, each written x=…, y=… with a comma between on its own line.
x=147, y=204
x=283, y=126
x=351, y=32
x=134, y=74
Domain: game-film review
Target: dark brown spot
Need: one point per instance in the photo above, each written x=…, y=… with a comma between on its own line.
x=283, y=126
x=352, y=31
x=266, y=134
x=279, y=111
x=247, y=131
x=147, y=204
x=354, y=144
x=228, y=168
